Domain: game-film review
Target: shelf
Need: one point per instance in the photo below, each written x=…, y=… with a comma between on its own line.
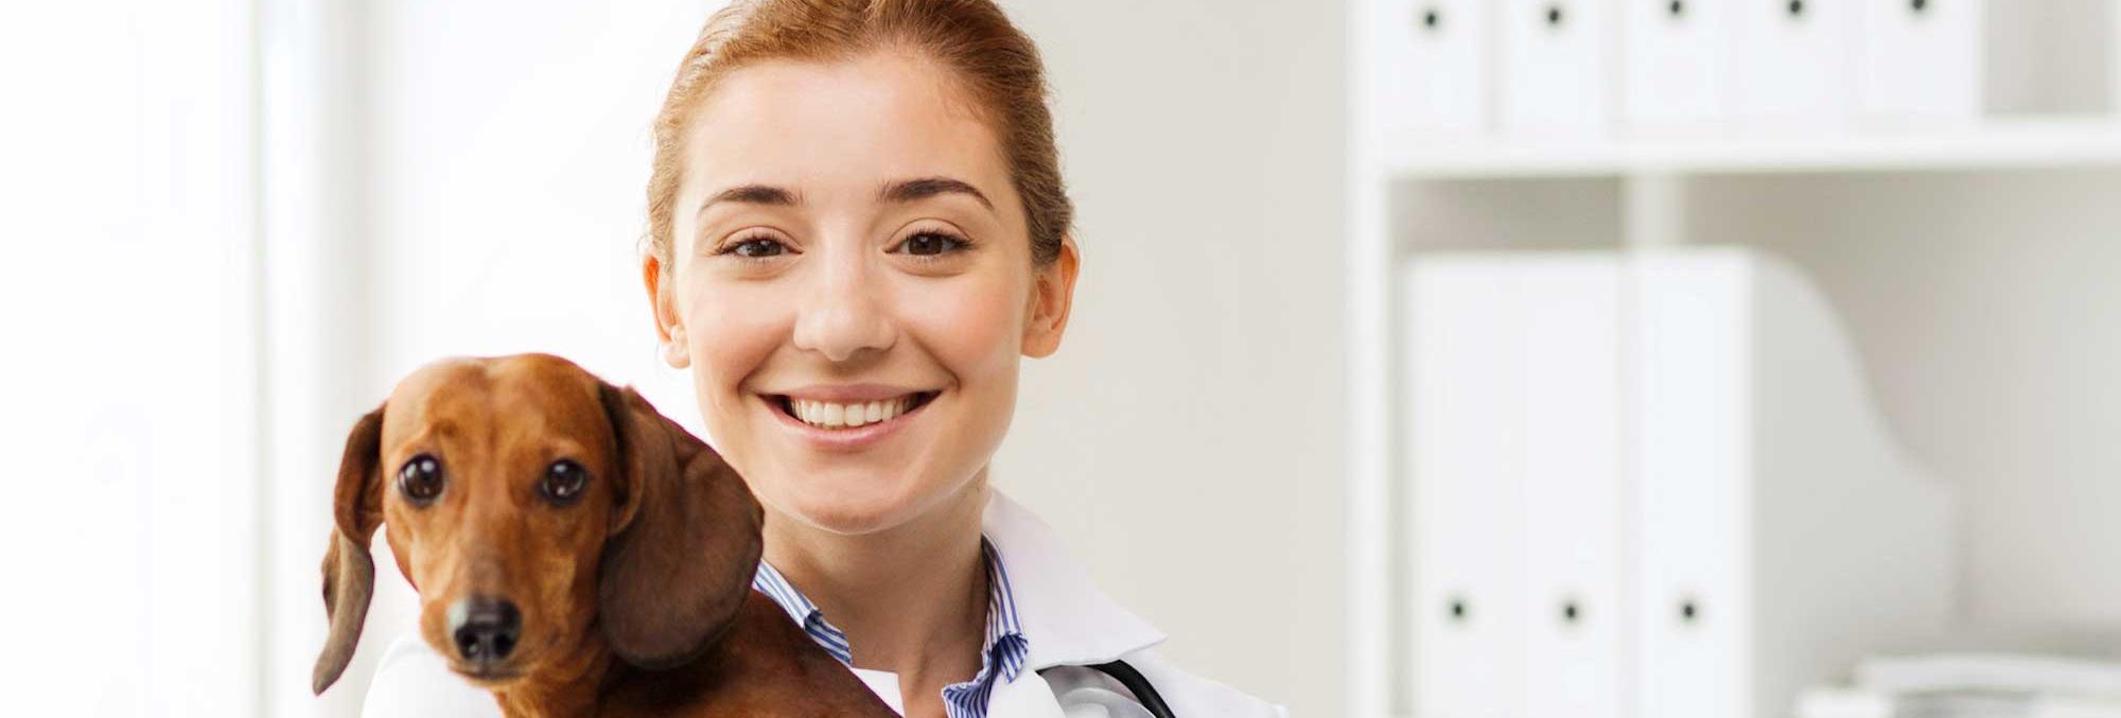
x=2002, y=144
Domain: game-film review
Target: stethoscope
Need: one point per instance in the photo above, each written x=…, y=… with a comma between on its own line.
x=1145, y=694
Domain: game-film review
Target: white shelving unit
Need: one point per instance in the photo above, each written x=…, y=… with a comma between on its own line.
x=2003, y=144
x=1929, y=243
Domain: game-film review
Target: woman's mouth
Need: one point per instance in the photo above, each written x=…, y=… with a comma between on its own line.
x=832, y=416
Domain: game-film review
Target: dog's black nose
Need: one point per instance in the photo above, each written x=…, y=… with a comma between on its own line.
x=485, y=628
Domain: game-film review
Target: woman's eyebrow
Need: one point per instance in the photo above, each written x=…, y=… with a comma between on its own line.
x=925, y=187
x=753, y=194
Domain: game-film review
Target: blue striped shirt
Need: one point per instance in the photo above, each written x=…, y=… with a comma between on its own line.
x=1002, y=658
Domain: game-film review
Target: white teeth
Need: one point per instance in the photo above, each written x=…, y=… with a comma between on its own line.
x=833, y=416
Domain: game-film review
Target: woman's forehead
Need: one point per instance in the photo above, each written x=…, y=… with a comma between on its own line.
x=826, y=128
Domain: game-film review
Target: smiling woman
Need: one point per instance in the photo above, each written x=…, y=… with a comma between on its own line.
x=871, y=267
x=857, y=231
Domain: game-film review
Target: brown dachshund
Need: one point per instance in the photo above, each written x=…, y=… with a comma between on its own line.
x=575, y=552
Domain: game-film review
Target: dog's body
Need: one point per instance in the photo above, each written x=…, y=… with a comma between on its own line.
x=766, y=666
x=575, y=552
x=770, y=667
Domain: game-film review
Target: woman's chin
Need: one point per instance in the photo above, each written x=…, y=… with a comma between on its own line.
x=850, y=509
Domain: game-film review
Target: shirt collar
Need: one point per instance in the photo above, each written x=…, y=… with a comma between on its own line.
x=1004, y=647
x=806, y=614
x=1034, y=591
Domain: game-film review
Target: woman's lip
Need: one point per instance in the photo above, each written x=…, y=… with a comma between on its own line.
x=841, y=439
x=848, y=393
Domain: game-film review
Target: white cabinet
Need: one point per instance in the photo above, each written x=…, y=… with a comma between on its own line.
x=1431, y=78
x=1557, y=65
x=1920, y=61
x=1675, y=64
x=1791, y=62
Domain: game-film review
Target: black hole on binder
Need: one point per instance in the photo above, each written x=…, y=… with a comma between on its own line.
x=1459, y=610
x=1677, y=8
x=1554, y=15
x=1431, y=19
x=1571, y=613
x=1689, y=612
x=1918, y=5
x=1796, y=8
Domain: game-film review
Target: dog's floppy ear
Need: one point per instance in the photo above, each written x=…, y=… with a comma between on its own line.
x=349, y=572
x=684, y=543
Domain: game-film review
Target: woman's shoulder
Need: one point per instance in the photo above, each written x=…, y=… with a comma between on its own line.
x=413, y=680
x=1190, y=694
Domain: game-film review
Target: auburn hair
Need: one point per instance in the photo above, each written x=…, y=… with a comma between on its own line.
x=993, y=62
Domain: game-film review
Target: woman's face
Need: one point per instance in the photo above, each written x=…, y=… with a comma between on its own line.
x=851, y=283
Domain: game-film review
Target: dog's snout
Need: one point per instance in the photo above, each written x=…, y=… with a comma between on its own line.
x=485, y=628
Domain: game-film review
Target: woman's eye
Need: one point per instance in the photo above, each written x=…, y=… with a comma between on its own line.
x=756, y=248
x=564, y=481
x=420, y=480
x=931, y=243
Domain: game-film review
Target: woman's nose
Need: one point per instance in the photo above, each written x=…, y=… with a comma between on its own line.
x=841, y=316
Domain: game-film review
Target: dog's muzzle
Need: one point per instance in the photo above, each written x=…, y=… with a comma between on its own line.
x=484, y=629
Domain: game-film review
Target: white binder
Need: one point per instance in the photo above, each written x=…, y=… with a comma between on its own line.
x=1783, y=535
x=1432, y=76
x=1516, y=456
x=1690, y=347
x=1920, y=62
x=1793, y=61
x=1466, y=400
x=1675, y=63
x=1575, y=615
x=1556, y=61
x=1679, y=444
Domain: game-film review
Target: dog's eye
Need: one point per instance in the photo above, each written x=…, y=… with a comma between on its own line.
x=564, y=482
x=420, y=480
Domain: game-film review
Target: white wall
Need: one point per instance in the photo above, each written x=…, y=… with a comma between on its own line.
x=1186, y=438
x=129, y=335
x=510, y=155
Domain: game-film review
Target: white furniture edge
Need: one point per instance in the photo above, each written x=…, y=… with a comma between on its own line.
x=1995, y=144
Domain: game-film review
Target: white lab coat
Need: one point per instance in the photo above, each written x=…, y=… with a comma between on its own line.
x=1066, y=620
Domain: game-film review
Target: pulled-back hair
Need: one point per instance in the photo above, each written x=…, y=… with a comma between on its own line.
x=993, y=62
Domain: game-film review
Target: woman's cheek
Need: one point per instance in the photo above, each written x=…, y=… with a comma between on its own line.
x=977, y=328
x=727, y=344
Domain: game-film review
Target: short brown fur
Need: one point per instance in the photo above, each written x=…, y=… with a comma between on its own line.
x=635, y=598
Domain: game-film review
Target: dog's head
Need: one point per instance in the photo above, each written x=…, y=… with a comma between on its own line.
x=532, y=504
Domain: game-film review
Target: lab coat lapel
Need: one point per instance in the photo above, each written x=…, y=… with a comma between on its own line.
x=1026, y=697
x=1066, y=620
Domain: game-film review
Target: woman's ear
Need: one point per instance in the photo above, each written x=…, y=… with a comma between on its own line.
x=669, y=329
x=1052, y=298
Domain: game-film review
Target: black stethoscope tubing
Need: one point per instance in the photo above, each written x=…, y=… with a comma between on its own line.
x=1144, y=693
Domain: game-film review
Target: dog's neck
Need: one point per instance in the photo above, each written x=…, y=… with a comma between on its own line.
x=569, y=687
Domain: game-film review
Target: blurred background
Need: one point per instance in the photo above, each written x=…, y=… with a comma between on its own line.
x=1450, y=307
x=1734, y=357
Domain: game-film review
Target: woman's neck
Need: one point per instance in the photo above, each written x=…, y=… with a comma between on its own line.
x=912, y=598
